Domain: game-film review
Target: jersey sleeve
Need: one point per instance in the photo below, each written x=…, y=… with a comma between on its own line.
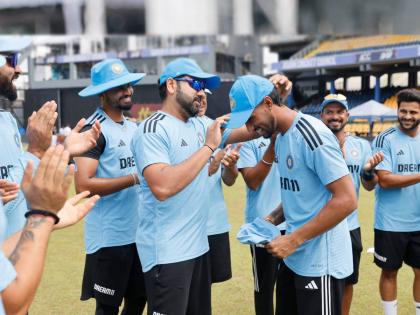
x=151, y=148
x=248, y=157
x=386, y=164
x=95, y=152
x=326, y=160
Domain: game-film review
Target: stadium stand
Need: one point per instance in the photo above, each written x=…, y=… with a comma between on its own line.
x=355, y=44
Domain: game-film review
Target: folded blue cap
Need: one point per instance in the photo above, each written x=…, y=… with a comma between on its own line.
x=14, y=43
x=258, y=231
x=335, y=98
x=246, y=93
x=188, y=66
x=108, y=74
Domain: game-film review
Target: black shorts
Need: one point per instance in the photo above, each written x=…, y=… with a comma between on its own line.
x=264, y=270
x=394, y=248
x=299, y=295
x=356, y=245
x=219, y=256
x=179, y=288
x=113, y=273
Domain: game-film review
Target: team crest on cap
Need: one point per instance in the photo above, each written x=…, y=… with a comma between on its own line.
x=354, y=153
x=289, y=162
x=116, y=68
x=232, y=103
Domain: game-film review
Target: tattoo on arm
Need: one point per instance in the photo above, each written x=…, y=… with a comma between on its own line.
x=27, y=235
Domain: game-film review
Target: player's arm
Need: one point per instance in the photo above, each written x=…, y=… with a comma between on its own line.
x=230, y=171
x=87, y=166
x=276, y=216
x=388, y=179
x=343, y=201
x=47, y=190
x=368, y=176
x=254, y=176
x=166, y=180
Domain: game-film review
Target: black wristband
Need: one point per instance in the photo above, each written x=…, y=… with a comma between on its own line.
x=368, y=175
x=206, y=145
x=45, y=213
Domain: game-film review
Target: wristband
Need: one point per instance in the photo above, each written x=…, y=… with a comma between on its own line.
x=44, y=213
x=368, y=175
x=206, y=145
x=134, y=179
x=266, y=163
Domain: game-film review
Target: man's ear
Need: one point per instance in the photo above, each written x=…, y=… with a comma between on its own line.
x=268, y=102
x=171, y=86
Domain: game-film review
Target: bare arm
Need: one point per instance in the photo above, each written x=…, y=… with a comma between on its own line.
x=167, y=180
x=254, y=176
x=230, y=171
x=369, y=177
x=85, y=179
x=276, y=216
x=216, y=161
x=390, y=180
x=341, y=204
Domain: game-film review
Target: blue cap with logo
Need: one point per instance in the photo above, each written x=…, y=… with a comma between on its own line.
x=108, y=74
x=335, y=98
x=246, y=93
x=12, y=44
x=188, y=66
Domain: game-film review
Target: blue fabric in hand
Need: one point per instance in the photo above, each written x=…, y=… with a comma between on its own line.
x=258, y=231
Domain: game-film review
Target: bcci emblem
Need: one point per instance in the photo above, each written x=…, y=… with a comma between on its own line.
x=289, y=162
x=200, y=137
x=232, y=103
x=116, y=68
x=354, y=153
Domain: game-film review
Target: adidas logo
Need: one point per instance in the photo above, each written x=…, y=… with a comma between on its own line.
x=262, y=144
x=311, y=286
x=121, y=144
x=184, y=143
x=401, y=152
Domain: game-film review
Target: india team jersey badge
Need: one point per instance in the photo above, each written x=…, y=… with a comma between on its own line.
x=289, y=162
x=354, y=153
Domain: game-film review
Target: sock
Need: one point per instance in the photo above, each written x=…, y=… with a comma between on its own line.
x=417, y=304
x=390, y=307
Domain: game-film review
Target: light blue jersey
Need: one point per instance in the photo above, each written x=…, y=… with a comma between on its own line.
x=217, y=221
x=173, y=230
x=12, y=164
x=358, y=151
x=7, y=272
x=260, y=202
x=113, y=220
x=309, y=158
x=398, y=209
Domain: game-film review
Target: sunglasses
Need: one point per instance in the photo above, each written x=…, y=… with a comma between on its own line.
x=194, y=83
x=12, y=60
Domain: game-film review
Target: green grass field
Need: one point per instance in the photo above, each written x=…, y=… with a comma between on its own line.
x=59, y=291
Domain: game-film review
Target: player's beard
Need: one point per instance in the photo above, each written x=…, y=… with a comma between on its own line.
x=7, y=88
x=119, y=104
x=337, y=129
x=413, y=127
x=186, y=104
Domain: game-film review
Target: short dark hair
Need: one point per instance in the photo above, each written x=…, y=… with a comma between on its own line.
x=163, y=92
x=408, y=95
x=275, y=96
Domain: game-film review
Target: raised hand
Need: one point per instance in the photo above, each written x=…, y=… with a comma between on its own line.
x=78, y=142
x=373, y=161
x=214, y=134
x=40, y=128
x=8, y=190
x=74, y=210
x=282, y=84
x=231, y=156
x=48, y=189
